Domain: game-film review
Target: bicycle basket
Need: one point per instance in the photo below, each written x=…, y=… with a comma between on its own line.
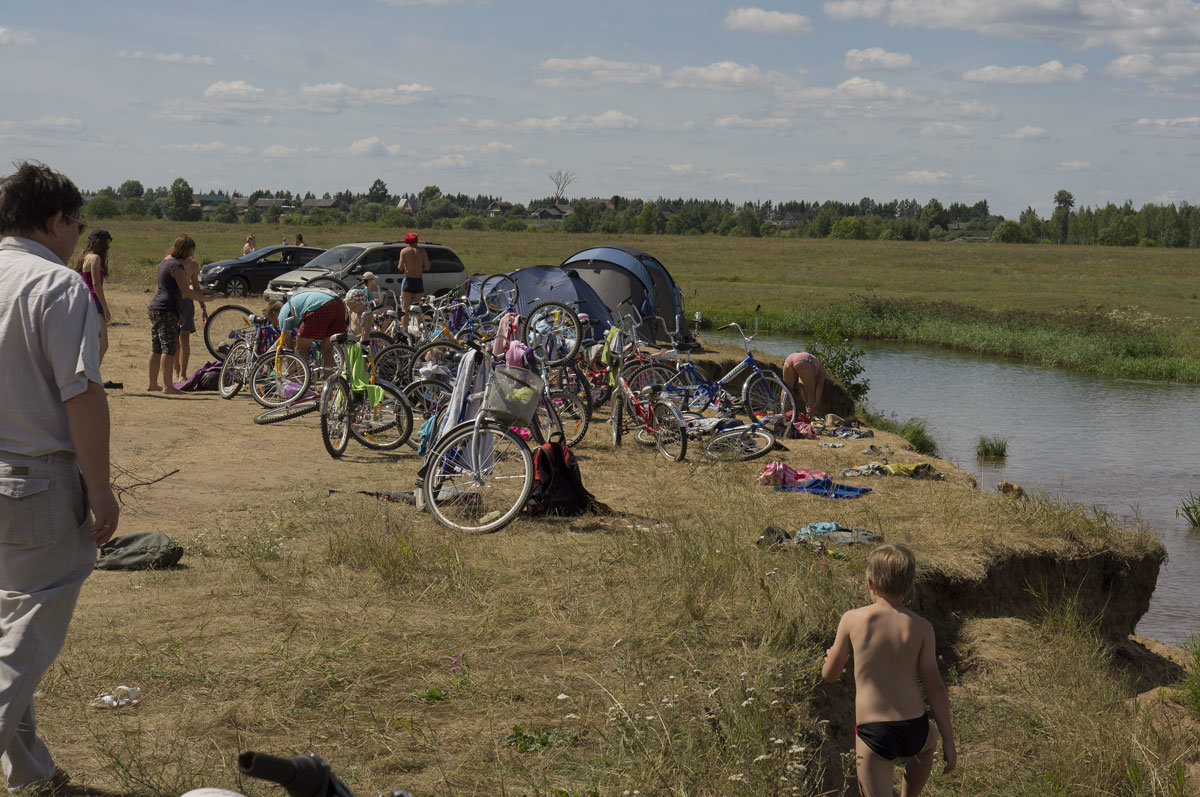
x=514, y=393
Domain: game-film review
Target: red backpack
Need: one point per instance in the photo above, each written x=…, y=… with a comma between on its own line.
x=557, y=486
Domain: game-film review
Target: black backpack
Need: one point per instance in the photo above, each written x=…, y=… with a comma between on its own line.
x=557, y=486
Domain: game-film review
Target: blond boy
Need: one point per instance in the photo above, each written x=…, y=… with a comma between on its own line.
x=893, y=648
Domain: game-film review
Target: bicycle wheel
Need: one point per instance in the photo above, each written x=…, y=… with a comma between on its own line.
x=385, y=426
x=335, y=416
x=765, y=398
x=573, y=415
x=742, y=443
x=672, y=433
x=287, y=412
x=427, y=397
x=570, y=378
x=477, y=483
x=435, y=356
x=394, y=364
x=546, y=421
x=498, y=292
x=273, y=385
x=554, y=330
x=233, y=370
x=646, y=375
x=618, y=409
x=222, y=328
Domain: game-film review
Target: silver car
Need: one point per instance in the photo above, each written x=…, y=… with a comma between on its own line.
x=342, y=267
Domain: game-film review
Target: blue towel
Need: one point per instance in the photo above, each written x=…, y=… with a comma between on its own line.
x=827, y=488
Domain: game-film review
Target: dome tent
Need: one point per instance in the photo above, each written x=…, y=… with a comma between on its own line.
x=620, y=273
x=539, y=283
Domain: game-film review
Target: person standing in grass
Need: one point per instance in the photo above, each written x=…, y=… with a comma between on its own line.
x=166, y=312
x=56, y=499
x=92, y=265
x=893, y=648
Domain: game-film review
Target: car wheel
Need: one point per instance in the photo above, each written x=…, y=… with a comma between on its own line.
x=237, y=286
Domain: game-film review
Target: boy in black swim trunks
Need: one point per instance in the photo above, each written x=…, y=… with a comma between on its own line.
x=892, y=647
x=414, y=264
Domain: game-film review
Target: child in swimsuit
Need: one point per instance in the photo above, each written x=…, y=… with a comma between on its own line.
x=893, y=648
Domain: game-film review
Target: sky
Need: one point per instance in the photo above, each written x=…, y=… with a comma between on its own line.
x=962, y=100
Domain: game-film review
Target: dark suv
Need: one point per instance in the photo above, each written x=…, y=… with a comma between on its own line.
x=342, y=267
x=250, y=273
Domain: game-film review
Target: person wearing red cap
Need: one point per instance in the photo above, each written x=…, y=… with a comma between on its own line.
x=414, y=263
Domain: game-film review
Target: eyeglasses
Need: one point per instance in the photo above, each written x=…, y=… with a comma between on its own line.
x=82, y=224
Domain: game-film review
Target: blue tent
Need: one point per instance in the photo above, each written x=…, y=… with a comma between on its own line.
x=618, y=273
x=539, y=283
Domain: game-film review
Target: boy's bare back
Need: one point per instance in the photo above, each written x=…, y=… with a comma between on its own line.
x=888, y=643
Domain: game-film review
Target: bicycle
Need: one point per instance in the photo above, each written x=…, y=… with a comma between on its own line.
x=660, y=421
x=377, y=414
x=240, y=357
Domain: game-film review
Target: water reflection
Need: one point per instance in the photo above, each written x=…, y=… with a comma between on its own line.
x=1125, y=446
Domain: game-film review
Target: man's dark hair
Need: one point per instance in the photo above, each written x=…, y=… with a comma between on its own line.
x=31, y=195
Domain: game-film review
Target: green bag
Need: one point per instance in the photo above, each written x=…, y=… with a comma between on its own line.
x=142, y=550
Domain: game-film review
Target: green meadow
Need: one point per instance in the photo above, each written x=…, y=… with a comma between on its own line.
x=1120, y=311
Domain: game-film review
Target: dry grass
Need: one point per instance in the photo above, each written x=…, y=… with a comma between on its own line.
x=406, y=655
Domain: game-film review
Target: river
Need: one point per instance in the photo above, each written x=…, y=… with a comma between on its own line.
x=1128, y=447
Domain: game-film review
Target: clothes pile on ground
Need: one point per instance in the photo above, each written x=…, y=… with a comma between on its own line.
x=817, y=536
x=921, y=470
x=781, y=476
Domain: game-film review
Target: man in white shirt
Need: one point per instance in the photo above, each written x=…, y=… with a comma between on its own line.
x=56, y=501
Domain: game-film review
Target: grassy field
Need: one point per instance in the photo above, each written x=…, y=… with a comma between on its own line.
x=654, y=650
x=1116, y=311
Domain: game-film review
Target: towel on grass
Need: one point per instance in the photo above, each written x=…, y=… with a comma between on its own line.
x=827, y=488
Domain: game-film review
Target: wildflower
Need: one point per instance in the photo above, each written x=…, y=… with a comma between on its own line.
x=747, y=702
x=762, y=757
x=651, y=717
x=779, y=741
x=738, y=778
x=641, y=683
x=571, y=717
x=564, y=697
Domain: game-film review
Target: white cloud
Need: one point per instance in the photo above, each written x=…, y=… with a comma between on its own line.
x=490, y=148
x=832, y=167
x=739, y=122
x=279, y=151
x=44, y=125
x=1170, y=197
x=969, y=109
x=1075, y=166
x=581, y=123
x=723, y=75
x=1147, y=68
x=1181, y=124
x=923, y=177
x=453, y=161
x=1026, y=133
x=211, y=147
x=368, y=148
x=1049, y=72
x=597, y=71
x=683, y=168
x=756, y=20
x=946, y=130
x=861, y=88
x=167, y=58
x=533, y=161
x=15, y=37
x=877, y=58
x=1127, y=25
x=338, y=95
x=233, y=90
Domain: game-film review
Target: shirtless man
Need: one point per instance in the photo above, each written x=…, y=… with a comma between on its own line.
x=892, y=647
x=414, y=264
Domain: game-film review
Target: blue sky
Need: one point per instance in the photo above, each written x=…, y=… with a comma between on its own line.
x=956, y=99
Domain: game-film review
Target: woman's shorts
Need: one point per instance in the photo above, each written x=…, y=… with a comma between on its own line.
x=189, y=316
x=412, y=285
x=164, y=332
x=328, y=319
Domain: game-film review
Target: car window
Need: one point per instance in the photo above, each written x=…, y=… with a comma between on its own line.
x=301, y=256
x=381, y=261
x=444, y=261
x=336, y=258
x=273, y=259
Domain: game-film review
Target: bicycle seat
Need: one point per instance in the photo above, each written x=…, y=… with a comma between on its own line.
x=343, y=337
x=392, y=313
x=649, y=391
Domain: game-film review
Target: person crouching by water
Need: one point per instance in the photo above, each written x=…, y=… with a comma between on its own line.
x=893, y=649
x=166, y=313
x=315, y=314
x=805, y=377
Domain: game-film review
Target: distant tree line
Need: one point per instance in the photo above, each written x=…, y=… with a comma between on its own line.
x=867, y=219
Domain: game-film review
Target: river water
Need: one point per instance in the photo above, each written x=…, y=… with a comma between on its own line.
x=1129, y=447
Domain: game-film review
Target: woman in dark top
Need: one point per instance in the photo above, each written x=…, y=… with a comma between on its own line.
x=166, y=312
